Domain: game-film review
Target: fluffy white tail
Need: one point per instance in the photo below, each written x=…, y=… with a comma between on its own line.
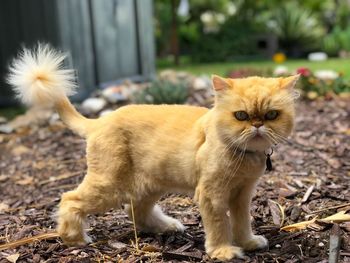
x=38, y=78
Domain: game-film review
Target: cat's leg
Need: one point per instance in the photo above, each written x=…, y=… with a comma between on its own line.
x=96, y=194
x=149, y=217
x=218, y=240
x=240, y=218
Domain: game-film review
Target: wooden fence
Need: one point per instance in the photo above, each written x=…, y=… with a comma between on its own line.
x=107, y=40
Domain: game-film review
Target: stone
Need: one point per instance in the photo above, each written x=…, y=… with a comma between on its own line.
x=105, y=112
x=280, y=70
x=326, y=74
x=317, y=56
x=2, y=120
x=115, y=94
x=201, y=83
x=93, y=105
x=6, y=128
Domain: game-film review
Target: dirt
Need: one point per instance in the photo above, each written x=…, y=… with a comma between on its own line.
x=310, y=178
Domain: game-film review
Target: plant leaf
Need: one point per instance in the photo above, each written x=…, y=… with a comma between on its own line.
x=13, y=258
x=337, y=218
x=298, y=226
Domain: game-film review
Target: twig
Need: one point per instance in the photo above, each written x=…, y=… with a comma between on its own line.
x=134, y=223
x=60, y=177
x=330, y=207
x=28, y=240
x=308, y=193
x=334, y=244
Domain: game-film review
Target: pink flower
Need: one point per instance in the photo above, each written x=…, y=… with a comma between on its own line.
x=305, y=72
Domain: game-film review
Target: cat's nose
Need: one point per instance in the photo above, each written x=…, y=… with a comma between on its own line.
x=257, y=124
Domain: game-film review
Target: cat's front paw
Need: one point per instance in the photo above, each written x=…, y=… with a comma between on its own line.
x=256, y=242
x=75, y=240
x=225, y=253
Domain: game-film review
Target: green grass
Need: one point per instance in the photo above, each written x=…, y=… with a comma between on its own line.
x=11, y=112
x=337, y=64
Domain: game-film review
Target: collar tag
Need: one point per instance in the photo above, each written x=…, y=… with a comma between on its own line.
x=268, y=160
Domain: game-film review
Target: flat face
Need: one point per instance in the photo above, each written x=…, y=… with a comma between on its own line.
x=255, y=112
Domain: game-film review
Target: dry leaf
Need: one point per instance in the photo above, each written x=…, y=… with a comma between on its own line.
x=3, y=207
x=13, y=258
x=337, y=218
x=25, y=181
x=277, y=212
x=150, y=248
x=3, y=177
x=19, y=150
x=39, y=165
x=117, y=244
x=298, y=226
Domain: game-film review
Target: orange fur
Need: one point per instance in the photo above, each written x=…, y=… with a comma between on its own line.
x=141, y=152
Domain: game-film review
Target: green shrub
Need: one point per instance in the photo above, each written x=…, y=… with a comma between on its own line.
x=163, y=92
x=297, y=29
x=337, y=40
x=234, y=39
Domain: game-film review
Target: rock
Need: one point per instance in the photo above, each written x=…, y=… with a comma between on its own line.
x=105, y=112
x=5, y=128
x=2, y=120
x=93, y=105
x=202, y=82
x=35, y=116
x=175, y=76
x=115, y=94
x=54, y=118
x=326, y=74
x=280, y=70
x=311, y=95
x=317, y=56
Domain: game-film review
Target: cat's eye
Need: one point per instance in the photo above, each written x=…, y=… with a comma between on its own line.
x=271, y=115
x=241, y=115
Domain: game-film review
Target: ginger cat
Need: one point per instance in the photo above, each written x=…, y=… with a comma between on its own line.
x=140, y=152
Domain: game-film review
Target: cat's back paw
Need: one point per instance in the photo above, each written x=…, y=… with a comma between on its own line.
x=256, y=242
x=226, y=253
x=169, y=224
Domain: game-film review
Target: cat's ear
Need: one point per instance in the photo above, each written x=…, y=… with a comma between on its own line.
x=219, y=83
x=289, y=82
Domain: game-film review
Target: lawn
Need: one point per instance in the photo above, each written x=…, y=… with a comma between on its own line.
x=339, y=65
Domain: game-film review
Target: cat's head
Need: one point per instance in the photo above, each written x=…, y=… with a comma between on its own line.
x=254, y=113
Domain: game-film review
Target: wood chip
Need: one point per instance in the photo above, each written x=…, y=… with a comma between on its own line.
x=171, y=255
x=308, y=193
x=334, y=244
x=13, y=258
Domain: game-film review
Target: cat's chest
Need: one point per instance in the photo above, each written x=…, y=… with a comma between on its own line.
x=247, y=164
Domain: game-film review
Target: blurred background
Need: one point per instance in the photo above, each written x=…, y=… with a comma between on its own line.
x=132, y=51
x=164, y=52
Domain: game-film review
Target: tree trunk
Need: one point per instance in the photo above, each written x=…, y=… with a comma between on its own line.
x=174, y=40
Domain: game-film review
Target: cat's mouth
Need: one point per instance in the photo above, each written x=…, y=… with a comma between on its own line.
x=258, y=135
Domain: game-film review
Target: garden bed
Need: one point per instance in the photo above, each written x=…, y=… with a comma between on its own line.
x=310, y=178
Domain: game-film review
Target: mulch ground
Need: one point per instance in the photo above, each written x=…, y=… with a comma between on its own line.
x=310, y=178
